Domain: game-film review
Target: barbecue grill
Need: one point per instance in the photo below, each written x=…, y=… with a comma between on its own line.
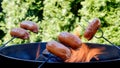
x=25, y=55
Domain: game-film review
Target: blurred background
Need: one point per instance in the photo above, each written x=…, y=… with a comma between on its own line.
x=55, y=16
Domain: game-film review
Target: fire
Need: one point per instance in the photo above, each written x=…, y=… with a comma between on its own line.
x=84, y=54
x=38, y=52
x=77, y=31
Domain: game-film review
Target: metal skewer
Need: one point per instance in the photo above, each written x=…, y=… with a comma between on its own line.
x=101, y=36
x=7, y=42
x=106, y=39
x=38, y=56
x=44, y=61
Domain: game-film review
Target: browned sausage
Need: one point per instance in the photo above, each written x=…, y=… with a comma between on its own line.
x=92, y=29
x=70, y=40
x=19, y=33
x=29, y=25
x=58, y=49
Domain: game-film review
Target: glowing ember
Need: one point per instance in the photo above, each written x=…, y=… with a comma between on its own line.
x=77, y=31
x=38, y=52
x=84, y=54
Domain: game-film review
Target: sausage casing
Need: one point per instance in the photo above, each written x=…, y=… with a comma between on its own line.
x=58, y=49
x=70, y=40
x=92, y=29
x=19, y=33
x=29, y=25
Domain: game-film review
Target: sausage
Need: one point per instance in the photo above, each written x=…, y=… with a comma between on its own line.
x=29, y=25
x=92, y=29
x=19, y=33
x=70, y=40
x=58, y=49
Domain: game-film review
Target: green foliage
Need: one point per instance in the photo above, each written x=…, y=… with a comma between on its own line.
x=15, y=11
x=109, y=13
x=55, y=16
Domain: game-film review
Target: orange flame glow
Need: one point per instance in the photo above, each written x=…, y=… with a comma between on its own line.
x=84, y=54
x=38, y=52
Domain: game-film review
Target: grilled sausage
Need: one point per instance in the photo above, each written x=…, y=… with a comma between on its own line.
x=92, y=29
x=58, y=49
x=19, y=33
x=70, y=40
x=29, y=25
